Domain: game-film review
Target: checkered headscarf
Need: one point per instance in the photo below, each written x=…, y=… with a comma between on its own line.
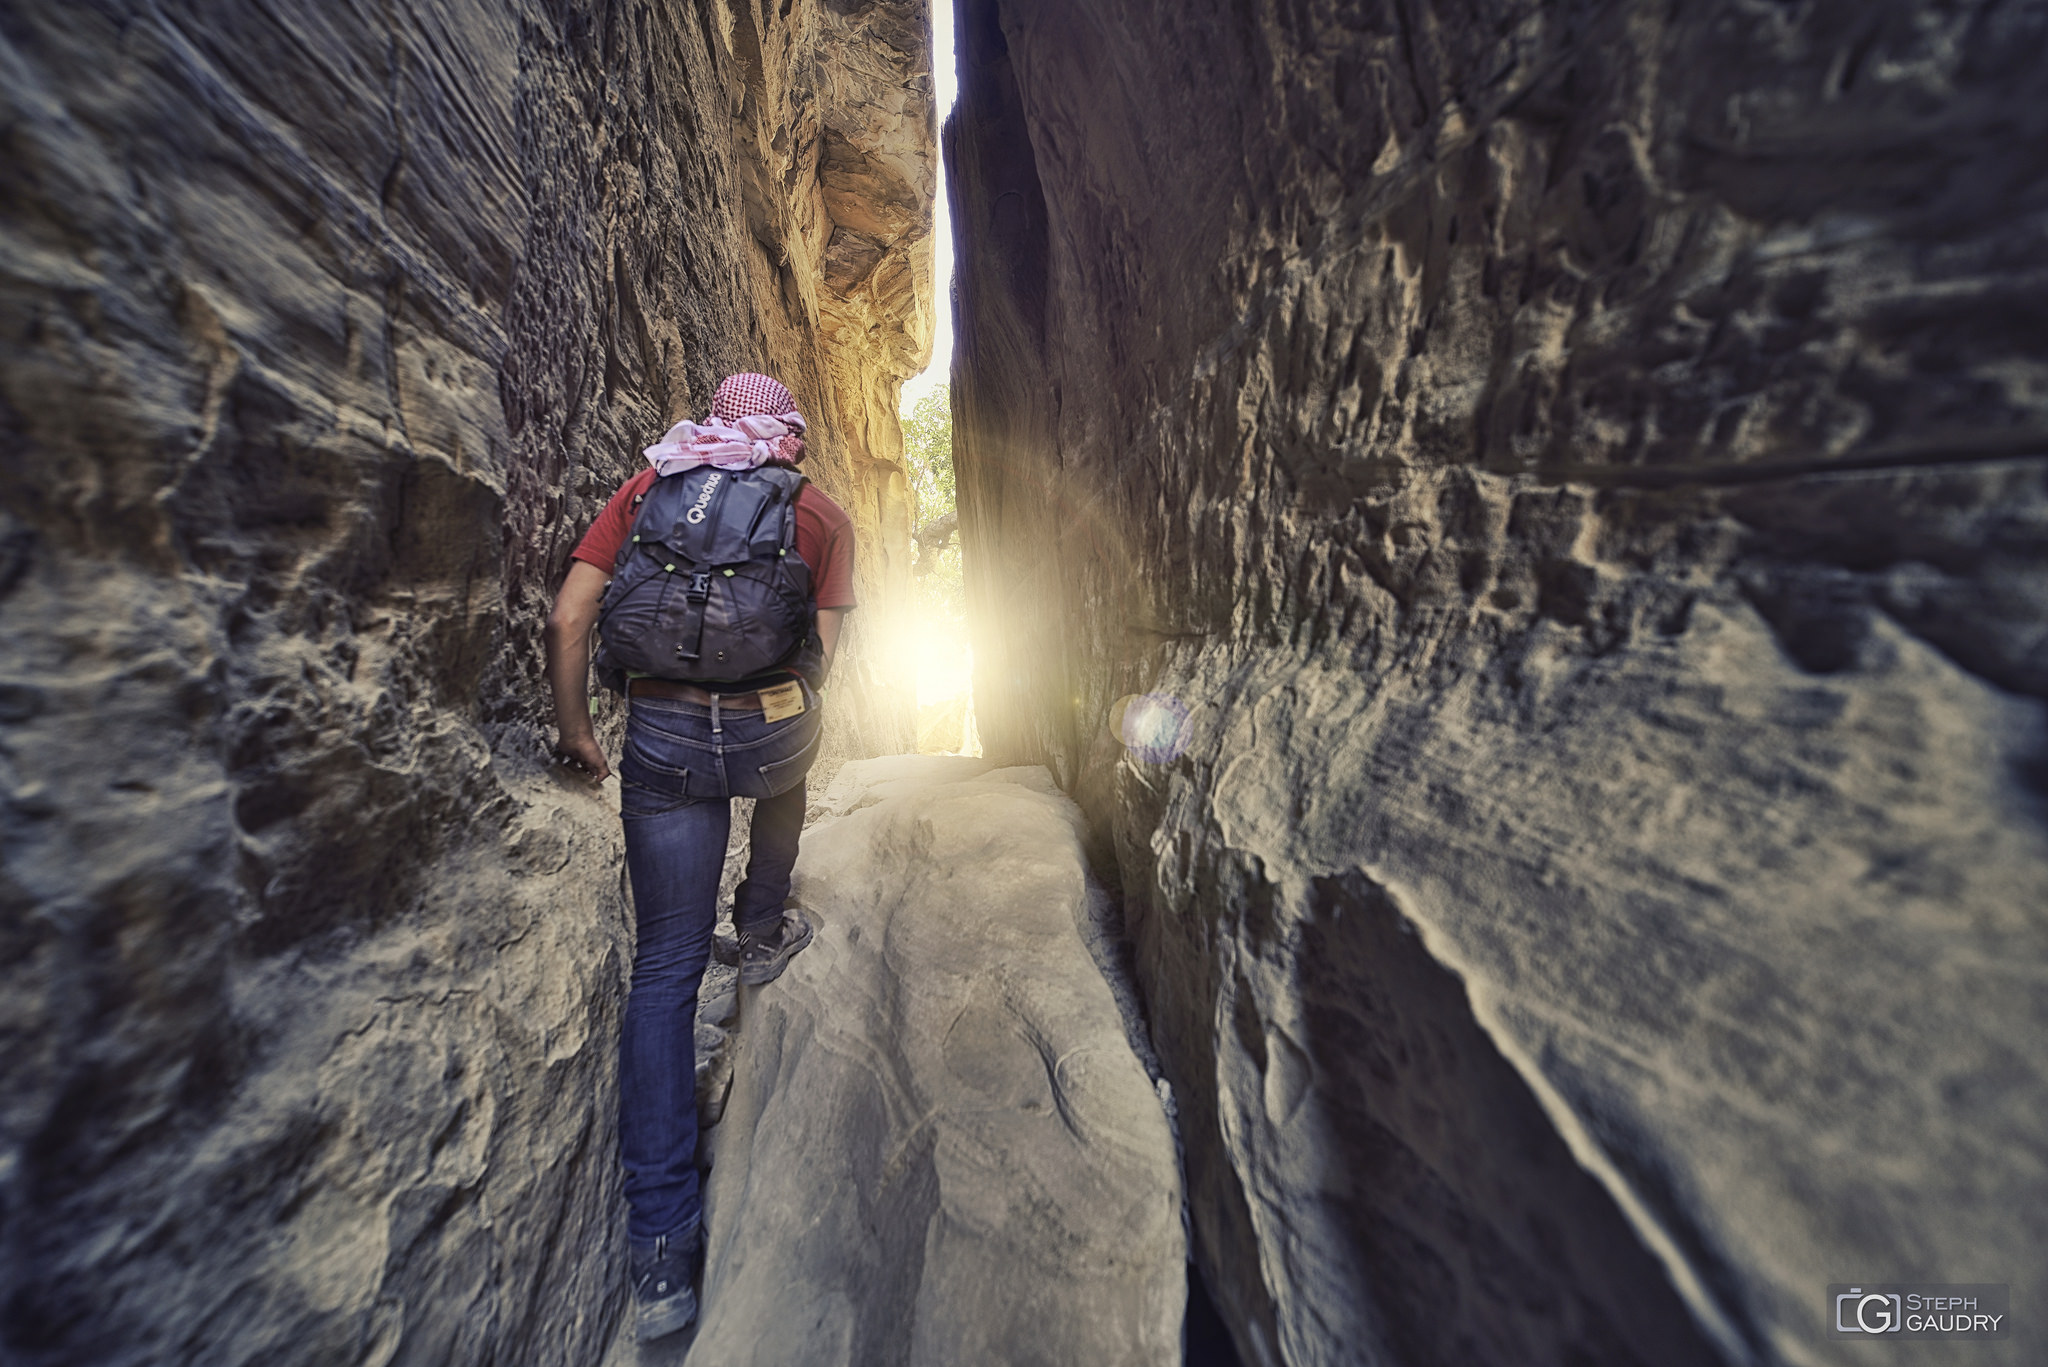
x=753, y=421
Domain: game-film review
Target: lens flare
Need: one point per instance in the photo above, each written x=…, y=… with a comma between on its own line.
x=942, y=659
x=1154, y=727
x=934, y=654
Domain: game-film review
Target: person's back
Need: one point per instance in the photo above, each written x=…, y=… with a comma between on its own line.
x=720, y=578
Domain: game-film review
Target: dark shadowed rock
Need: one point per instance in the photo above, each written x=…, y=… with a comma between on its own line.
x=1578, y=469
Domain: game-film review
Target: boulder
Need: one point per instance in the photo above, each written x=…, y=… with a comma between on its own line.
x=940, y=1145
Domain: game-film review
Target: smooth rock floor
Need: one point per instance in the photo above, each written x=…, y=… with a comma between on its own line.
x=939, y=1145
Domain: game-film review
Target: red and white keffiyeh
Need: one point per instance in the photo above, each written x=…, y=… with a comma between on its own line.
x=753, y=421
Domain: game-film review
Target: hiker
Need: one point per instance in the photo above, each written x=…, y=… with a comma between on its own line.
x=729, y=577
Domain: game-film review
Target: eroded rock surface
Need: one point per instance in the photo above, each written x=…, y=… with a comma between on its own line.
x=328, y=330
x=940, y=1146
x=1579, y=465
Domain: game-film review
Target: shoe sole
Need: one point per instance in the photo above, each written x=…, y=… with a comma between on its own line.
x=770, y=971
x=663, y=1318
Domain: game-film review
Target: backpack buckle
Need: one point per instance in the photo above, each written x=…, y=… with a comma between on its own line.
x=700, y=585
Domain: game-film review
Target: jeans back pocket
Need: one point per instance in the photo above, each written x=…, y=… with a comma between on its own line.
x=664, y=764
x=778, y=776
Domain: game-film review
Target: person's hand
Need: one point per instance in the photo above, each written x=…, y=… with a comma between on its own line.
x=585, y=756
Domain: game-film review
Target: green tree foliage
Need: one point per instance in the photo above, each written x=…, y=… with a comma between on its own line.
x=928, y=461
x=928, y=454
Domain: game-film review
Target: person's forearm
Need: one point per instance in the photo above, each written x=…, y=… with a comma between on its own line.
x=568, y=648
x=567, y=639
x=829, y=622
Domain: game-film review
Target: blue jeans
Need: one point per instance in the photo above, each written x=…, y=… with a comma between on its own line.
x=681, y=768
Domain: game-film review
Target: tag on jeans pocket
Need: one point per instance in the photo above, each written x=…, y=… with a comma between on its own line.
x=783, y=700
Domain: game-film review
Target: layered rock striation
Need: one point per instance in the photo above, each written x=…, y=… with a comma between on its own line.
x=327, y=333
x=1566, y=482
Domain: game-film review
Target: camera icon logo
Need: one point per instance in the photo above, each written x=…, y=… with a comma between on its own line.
x=1874, y=1312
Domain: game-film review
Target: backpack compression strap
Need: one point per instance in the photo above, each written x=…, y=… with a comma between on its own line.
x=694, y=535
x=702, y=534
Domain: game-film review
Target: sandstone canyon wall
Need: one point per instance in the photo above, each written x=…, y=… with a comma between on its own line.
x=329, y=328
x=1580, y=467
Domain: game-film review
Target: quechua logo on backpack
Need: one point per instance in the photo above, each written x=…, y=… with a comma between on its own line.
x=696, y=513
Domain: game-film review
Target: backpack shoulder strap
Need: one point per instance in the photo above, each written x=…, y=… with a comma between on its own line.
x=796, y=491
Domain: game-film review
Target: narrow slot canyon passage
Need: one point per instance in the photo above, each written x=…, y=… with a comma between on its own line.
x=942, y=1121
x=1440, y=761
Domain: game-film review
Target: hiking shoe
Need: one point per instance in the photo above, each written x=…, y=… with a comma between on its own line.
x=763, y=957
x=663, y=1299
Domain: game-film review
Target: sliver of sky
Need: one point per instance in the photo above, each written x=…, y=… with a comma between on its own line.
x=948, y=84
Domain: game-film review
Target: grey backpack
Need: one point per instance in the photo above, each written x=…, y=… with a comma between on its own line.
x=709, y=587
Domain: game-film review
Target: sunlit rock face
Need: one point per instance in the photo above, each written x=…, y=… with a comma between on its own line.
x=837, y=162
x=329, y=330
x=940, y=1146
x=1578, y=467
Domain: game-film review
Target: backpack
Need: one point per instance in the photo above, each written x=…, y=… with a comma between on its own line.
x=709, y=587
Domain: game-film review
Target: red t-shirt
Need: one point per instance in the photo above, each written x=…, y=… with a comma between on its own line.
x=824, y=537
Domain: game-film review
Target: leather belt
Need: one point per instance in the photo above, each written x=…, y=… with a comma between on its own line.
x=683, y=692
